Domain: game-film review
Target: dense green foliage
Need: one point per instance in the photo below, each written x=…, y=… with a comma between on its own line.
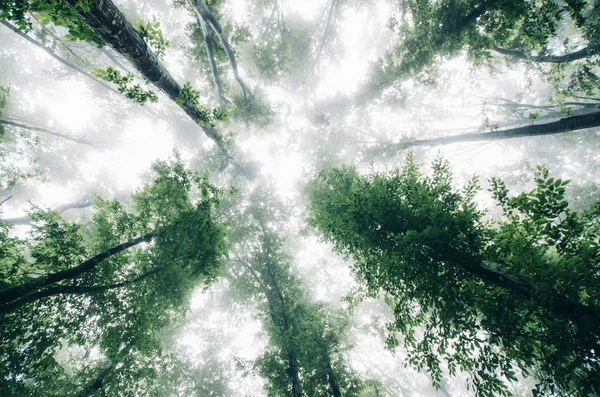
x=58, y=12
x=482, y=297
x=190, y=97
x=136, y=93
x=109, y=319
x=431, y=31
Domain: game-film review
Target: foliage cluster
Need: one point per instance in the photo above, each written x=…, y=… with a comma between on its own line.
x=430, y=31
x=491, y=299
x=136, y=93
x=152, y=34
x=190, y=97
x=59, y=12
x=120, y=307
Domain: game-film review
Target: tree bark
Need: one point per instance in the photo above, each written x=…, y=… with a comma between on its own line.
x=557, y=127
x=68, y=290
x=580, y=54
x=110, y=24
x=12, y=294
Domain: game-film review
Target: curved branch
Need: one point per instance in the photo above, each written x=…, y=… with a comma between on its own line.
x=24, y=220
x=580, y=54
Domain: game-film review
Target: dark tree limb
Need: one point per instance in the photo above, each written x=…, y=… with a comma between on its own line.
x=580, y=54
x=97, y=383
x=557, y=127
x=6, y=199
x=68, y=290
x=12, y=294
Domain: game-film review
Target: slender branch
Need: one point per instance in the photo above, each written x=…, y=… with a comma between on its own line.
x=204, y=13
x=268, y=24
x=580, y=54
x=328, y=24
x=24, y=220
x=6, y=199
x=9, y=295
x=69, y=290
x=208, y=44
x=557, y=127
x=82, y=141
x=57, y=58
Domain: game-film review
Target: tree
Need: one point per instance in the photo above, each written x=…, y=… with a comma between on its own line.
x=484, y=297
x=305, y=352
x=102, y=22
x=521, y=29
x=81, y=286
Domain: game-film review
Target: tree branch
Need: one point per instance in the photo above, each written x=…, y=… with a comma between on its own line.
x=204, y=13
x=208, y=44
x=580, y=54
x=11, y=294
x=68, y=290
x=557, y=127
x=14, y=123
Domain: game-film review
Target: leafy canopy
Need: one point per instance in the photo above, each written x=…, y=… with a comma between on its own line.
x=484, y=297
x=121, y=309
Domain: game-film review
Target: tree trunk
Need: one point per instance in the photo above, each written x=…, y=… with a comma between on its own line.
x=580, y=54
x=210, y=54
x=110, y=24
x=12, y=294
x=335, y=389
x=557, y=127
